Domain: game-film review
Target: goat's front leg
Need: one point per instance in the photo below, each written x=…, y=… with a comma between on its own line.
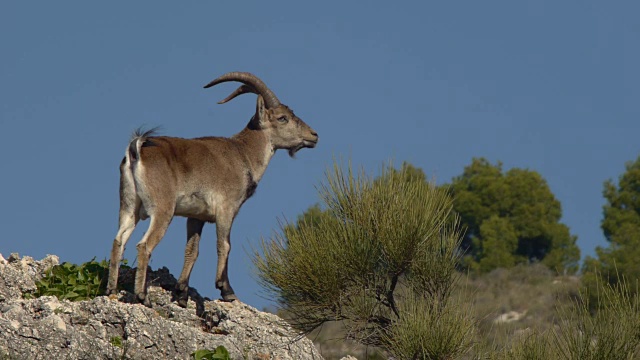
x=223, y=231
x=194, y=232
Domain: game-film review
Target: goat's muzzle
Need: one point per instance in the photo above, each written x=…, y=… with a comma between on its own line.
x=312, y=140
x=310, y=143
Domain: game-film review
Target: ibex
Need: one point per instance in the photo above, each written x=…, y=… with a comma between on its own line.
x=204, y=179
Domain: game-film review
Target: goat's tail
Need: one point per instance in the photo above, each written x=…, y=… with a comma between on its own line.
x=139, y=139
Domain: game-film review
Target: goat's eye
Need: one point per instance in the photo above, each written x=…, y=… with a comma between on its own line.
x=283, y=119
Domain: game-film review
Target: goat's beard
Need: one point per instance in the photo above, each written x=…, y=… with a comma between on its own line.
x=294, y=150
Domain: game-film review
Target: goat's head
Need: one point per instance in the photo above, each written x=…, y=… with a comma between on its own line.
x=285, y=130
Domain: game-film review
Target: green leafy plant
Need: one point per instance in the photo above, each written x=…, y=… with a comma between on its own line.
x=74, y=282
x=220, y=353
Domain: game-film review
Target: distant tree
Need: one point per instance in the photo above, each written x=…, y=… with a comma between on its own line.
x=311, y=217
x=621, y=227
x=511, y=218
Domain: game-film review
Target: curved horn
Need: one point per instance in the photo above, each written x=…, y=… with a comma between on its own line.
x=270, y=98
x=243, y=89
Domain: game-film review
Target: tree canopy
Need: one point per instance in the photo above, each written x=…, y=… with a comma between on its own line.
x=511, y=217
x=621, y=227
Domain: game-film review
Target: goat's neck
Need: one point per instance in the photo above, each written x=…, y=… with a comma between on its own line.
x=257, y=149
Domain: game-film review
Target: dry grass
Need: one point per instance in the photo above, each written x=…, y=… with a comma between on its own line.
x=532, y=294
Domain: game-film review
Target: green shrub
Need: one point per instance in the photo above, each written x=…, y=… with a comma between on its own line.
x=383, y=247
x=220, y=353
x=74, y=282
x=612, y=333
x=430, y=329
x=532, y=346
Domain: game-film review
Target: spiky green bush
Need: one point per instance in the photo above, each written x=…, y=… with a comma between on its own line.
x=532, y=345
x=383, y=248
x=429, y=329
x=613, y=333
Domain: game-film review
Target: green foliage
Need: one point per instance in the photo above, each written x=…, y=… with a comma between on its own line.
x=500, y=243
x=407, y=173
x=74, y=282
x=532, y=345
x=220, y=353
x=116, y=341
x=621, y=224
x=312, y=216
x=613, y=333
x=315, y=213
x=378, y=249
x=511, y=217
x=430, y=329
x=621, y=227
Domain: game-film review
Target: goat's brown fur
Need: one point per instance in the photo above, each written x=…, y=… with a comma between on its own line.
x=205, y=179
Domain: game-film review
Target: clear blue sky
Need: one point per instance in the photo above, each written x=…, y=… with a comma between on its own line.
x=545, y=85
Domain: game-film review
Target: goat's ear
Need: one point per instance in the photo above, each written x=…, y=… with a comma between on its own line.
x=261, y=110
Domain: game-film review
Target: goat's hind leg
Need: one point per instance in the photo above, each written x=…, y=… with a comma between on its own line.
x=194, y=232
x=157, y=227
x=128, y=223
x=129, y=210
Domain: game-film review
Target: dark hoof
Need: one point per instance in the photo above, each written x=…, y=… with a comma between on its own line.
x=183, y=303
x=229, y=297
x=111, y=292
x=182, y=295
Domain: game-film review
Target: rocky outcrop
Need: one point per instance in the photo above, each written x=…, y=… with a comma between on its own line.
x=110, y=328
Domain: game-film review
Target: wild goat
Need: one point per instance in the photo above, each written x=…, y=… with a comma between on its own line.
x=204, y=179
